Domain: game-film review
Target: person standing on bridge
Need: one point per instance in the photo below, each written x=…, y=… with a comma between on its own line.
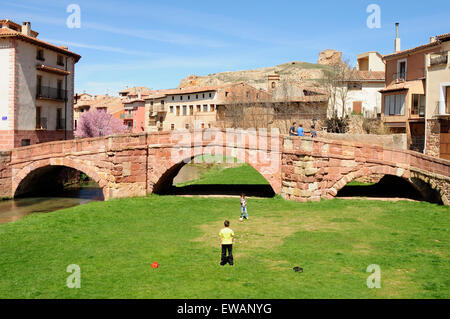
x=313, y=132
x=300, y=130
x=292, y=130
x=226, y=241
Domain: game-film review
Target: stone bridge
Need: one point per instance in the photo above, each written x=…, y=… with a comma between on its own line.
x=297, y=168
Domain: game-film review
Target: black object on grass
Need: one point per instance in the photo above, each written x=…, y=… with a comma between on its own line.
x=298, y=269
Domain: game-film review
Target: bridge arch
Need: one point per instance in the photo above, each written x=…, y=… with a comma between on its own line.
x=164, y=180
x=24, y=176
x=428, y=190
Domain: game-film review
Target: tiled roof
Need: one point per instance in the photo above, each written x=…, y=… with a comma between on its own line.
x=9, y=33
x=136, y=90
x=113, y=104
x=437, y=41
x=443, y=36
x=401, y=86
x=370, y=75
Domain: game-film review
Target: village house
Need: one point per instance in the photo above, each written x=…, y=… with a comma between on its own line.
x=362, y=87
x=85, y=102
x=36, y=87
x=133, y=115
x=417, y=93
x=191, y=108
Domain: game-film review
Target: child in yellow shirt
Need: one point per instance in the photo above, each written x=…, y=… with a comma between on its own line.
x=226, y=240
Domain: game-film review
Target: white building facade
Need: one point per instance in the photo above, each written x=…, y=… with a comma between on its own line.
x=36, y=88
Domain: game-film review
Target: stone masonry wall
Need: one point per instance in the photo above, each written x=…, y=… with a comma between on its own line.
x=433, y=138
x=318, y=169
x=5, y=175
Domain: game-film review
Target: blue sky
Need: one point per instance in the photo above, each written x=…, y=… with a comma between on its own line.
x=157, y=43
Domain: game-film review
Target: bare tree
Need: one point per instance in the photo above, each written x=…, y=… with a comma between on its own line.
x=335, y=82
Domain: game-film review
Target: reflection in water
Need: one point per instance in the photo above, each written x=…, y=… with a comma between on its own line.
x=12, y=210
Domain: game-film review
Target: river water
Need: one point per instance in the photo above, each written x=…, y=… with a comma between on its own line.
x=12, y=210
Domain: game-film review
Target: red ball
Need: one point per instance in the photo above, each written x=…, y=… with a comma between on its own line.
x=155, y=265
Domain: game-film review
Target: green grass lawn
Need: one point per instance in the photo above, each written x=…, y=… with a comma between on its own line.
x=218, y=174
x=115, y=243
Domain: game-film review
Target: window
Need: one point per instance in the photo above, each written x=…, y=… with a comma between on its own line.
x=76, y=124
x=178, y=110
x=354, y=86
x=40, y=55
x=39, y=85
x=184, y=110
x=60, y=89
x=273, y=85
x=199, y=108
x=173, y=98
x=191, y=109
x=38, y=118
x=186, y=126
x=60, y=60
x=203, y=95
x=205, y=108
x=226, y=94
x=189, y=97
x=209, y=125
x=394, y=104
x=196, y=96
x=401, y=69
x=25, y=142
x=181, y=97
x=59, y=119
x=171, y=109
x=418, y=104
x=172, y=127
x=210, y=94
x=212, y=108
x=203, y=125
x=247, y=94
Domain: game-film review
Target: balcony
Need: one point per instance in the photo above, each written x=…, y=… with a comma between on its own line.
x=442, y=108
x=46, y=92
x=60, y=124
x=438, y=58
x=399, y=77
x=41, y=123
x=126, y=116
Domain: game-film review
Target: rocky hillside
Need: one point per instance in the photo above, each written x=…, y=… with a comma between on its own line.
x=298, y=71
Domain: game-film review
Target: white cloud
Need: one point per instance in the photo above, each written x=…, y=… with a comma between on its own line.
x=100, y=48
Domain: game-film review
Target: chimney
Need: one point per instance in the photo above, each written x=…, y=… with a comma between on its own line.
x=397, y=39
x=432, y=39
x=26, y=28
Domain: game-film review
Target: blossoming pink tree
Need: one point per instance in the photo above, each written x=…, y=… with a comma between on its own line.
x=98, y=123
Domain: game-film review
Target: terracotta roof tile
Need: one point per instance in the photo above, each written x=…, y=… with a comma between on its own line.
x=370, y=75
x=9, y=33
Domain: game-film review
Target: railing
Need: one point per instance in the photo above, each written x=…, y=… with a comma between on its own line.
x=47, y=92
x=438, y=58
x=126, y=116
x=60, y=124
x=41, y=123
x=399, y=76
x=442, y=108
